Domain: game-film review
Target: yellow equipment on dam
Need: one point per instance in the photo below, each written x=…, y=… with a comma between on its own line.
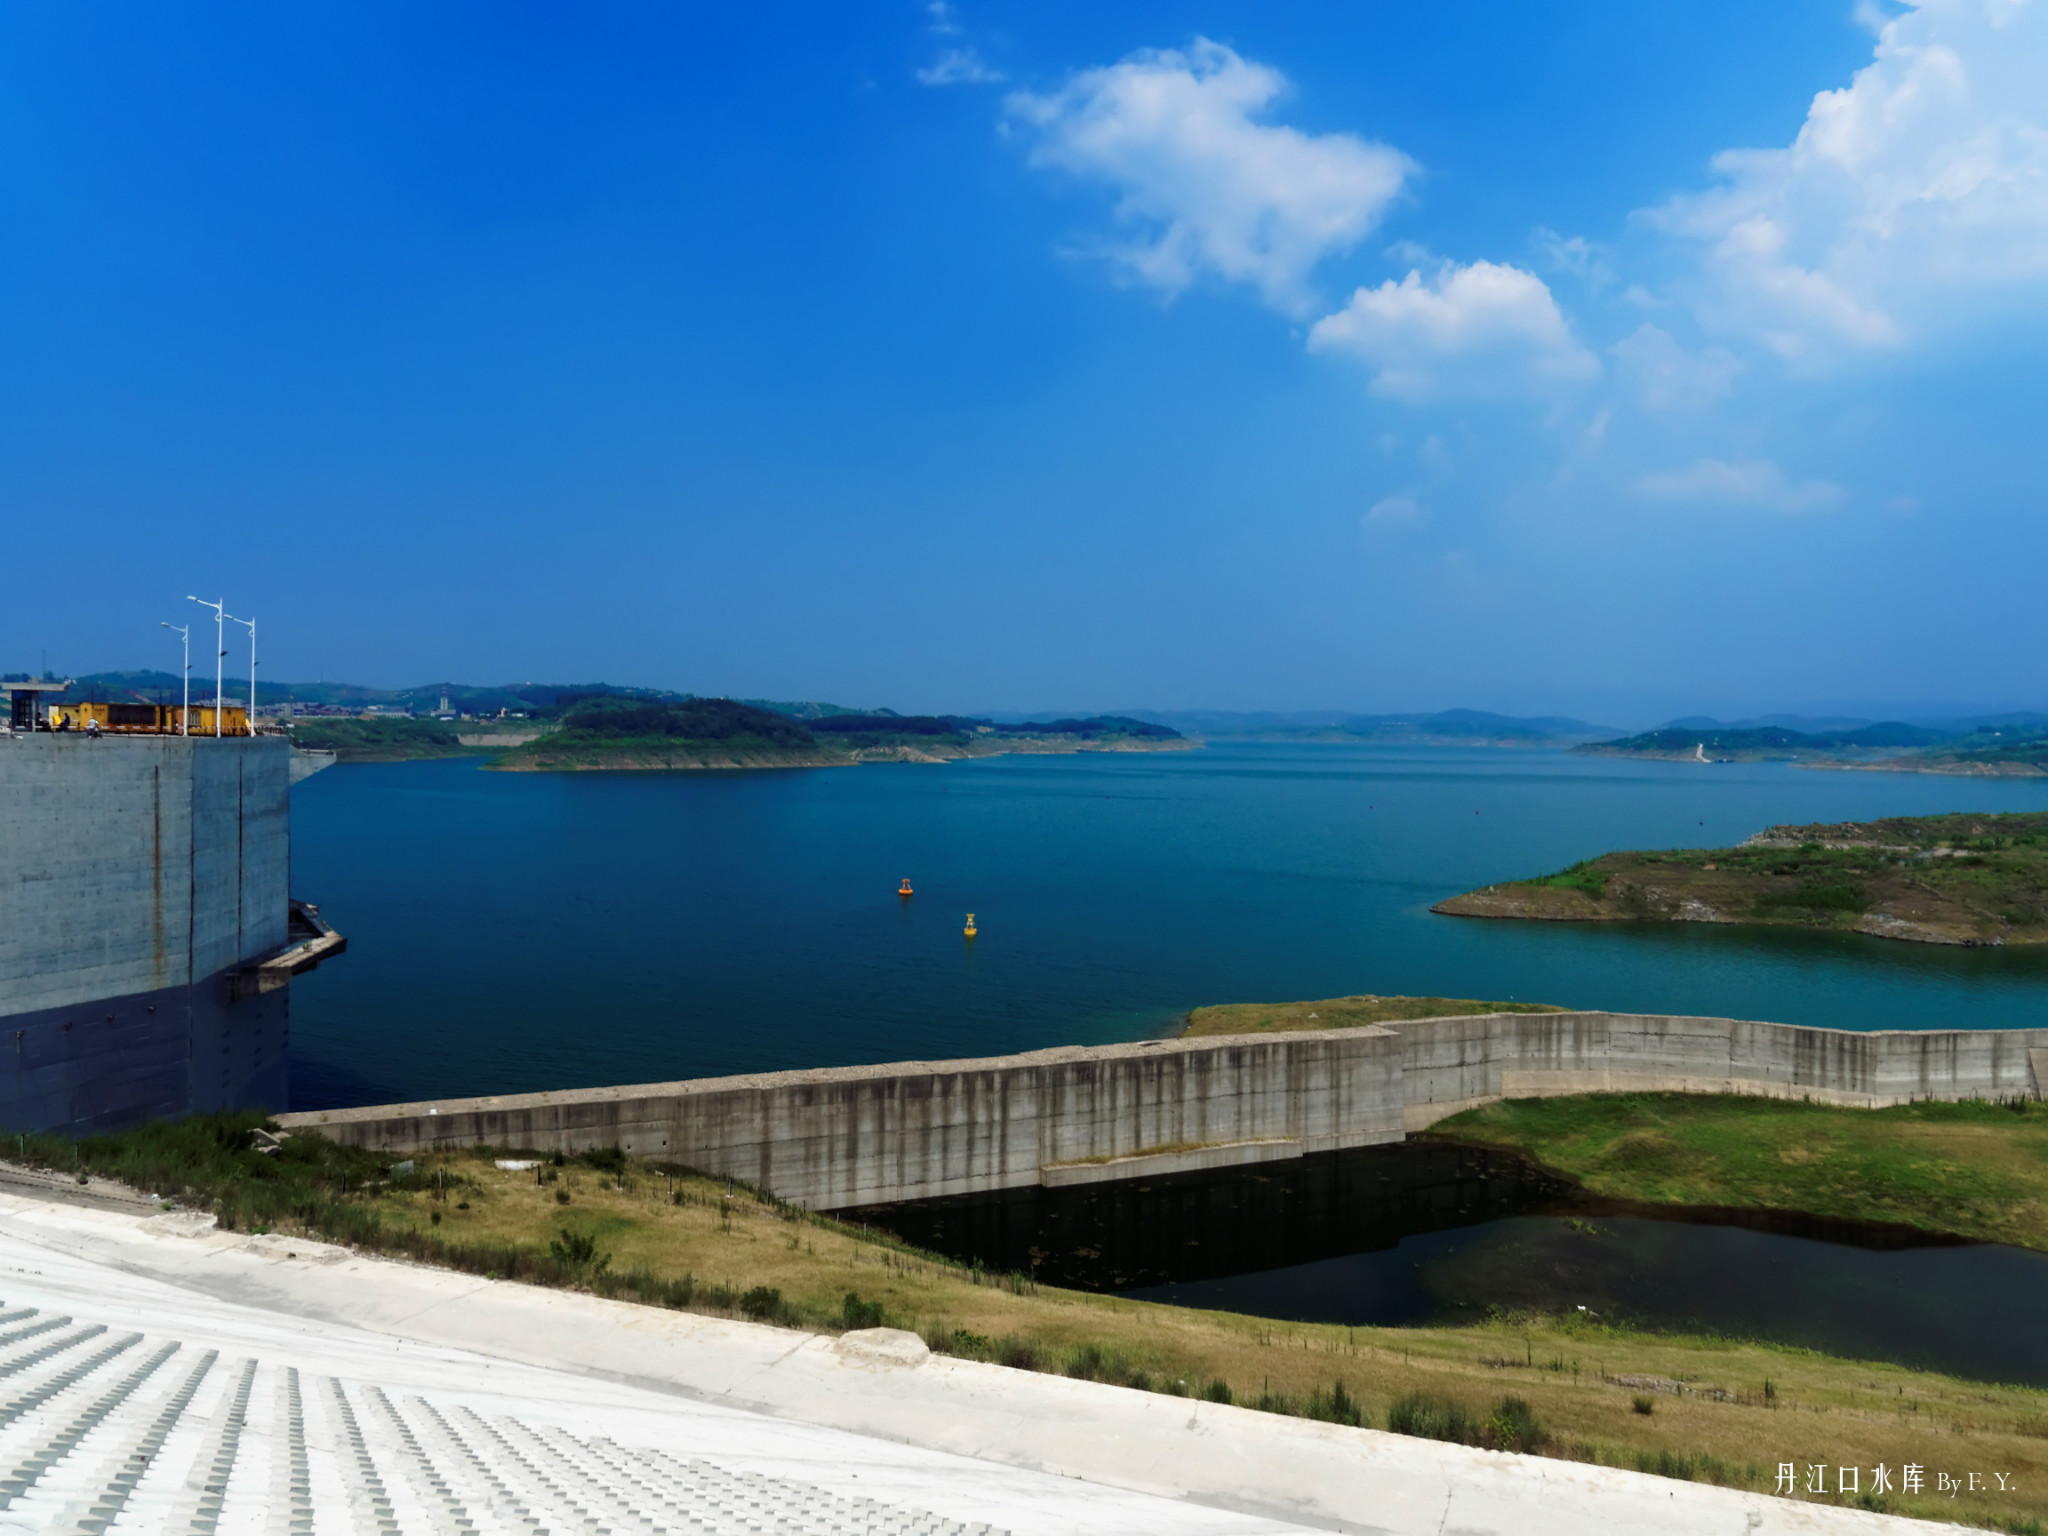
x=149, y=719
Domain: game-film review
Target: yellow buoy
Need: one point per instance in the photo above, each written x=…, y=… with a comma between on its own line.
x=970, y=925
x=904, y=888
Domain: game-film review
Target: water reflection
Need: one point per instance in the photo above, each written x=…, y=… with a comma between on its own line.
x=1425, y=1233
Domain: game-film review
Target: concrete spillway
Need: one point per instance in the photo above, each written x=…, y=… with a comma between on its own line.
x=850, y=1136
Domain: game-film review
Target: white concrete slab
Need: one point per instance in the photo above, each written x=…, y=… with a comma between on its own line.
x=973, y=1443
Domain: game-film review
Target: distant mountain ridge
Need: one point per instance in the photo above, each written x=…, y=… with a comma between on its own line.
x=1441, y=727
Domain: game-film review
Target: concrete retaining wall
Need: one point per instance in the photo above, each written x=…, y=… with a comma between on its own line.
x=849, y=1136
x=136, y=873
x=858, y=1135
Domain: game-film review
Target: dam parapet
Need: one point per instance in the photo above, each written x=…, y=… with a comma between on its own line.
x=147, y=932
x=850, y=1136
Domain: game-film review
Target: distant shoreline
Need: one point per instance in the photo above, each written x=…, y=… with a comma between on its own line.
x=687, y=759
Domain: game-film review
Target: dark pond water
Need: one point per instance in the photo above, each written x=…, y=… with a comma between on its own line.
x=1429, y=1233
x=515, y=932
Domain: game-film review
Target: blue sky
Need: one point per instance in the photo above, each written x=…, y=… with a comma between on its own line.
x=1015, y=356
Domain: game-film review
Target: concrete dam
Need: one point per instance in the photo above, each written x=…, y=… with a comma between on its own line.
x=853, y=1136
x=147, y=931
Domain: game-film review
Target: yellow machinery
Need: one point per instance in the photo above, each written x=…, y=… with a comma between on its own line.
x=147, y=719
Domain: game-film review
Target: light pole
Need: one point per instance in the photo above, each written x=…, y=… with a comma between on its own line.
x=220, y=648
x=251, y=623
x=184, y=633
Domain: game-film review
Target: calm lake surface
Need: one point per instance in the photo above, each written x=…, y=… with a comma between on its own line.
x=1429, y=1233
x=513, y=932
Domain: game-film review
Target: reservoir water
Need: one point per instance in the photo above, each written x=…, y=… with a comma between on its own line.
x=1430, y=1233
x=514, y=932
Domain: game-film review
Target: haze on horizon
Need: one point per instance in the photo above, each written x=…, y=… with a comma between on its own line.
x=1606, y=360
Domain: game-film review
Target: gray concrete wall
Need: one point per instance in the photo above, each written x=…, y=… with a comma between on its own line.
x=858, y=1135
x=135, y=873
x=861, y=1135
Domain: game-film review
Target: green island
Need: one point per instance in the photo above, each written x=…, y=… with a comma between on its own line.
x=1956, y=879
x=615, y=730
x=1340, y=1013
x=1571, y=1386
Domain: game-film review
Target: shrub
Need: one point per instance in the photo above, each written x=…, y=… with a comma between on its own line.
x=1643, y=1403
x=855, y=1313
x=1513, y=1426
x=1219, y=1392
x=1429, y=1417
x=764, y=1304
x=1086, y=1363
x=1340, y=1407
x=1666, y=1464
x=1018, y=1354
x=959, y=1341
x=577, y=1251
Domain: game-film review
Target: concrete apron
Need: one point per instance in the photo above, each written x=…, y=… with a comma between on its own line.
x=1205, y=1457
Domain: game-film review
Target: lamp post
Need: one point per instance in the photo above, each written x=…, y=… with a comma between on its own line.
x=184, y=633
x=251, y=624
x=220, y=649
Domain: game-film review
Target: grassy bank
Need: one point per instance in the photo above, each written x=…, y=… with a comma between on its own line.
x=1963, y=879
x=1340, y=1013
x=1975, y=1169
x=1690, y=1407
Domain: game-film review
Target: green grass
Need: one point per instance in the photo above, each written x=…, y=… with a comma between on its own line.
x=1975, y=1169
x=1341, y=1013
x=1583, y=876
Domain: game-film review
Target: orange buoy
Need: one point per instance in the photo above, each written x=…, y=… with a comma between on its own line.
x=904, y=888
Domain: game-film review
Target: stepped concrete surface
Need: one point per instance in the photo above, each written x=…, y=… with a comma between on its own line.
x=156, y=1375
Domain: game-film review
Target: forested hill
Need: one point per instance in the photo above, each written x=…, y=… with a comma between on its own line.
x=610, y=732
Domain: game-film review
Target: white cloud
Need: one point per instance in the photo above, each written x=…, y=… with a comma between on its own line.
x=1665, y=377
x=1395, y=511
x=1476, y=332
x=1746, y=483
x=1212, y=188
x=1911, y=197
x=1577, y=255
x=958, y=66
x=943, y=19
